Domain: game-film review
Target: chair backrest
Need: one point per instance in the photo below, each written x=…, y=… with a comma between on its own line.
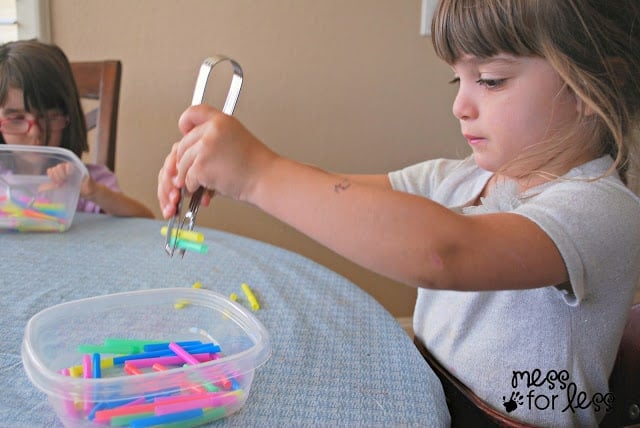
x=100, y=81
x=624, y=382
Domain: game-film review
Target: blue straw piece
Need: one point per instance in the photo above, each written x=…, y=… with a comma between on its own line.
x=95, y=365
x=160, y=346
x=165, y=419
x=200, y=348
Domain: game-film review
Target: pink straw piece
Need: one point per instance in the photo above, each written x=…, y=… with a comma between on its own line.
x=86, y=366
x=69, y=407
x=168, y=360
x=107, y=414
x=86, y=374
x=186, y=357
x=210, y=401
x=131, y=409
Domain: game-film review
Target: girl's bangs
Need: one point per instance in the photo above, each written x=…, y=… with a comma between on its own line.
x=482, y=29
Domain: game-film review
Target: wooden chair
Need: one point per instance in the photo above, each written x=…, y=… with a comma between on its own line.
x=100, y=81
x=624, y=382
x=467, y=409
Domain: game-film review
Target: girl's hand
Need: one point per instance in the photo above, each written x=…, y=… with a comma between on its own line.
x=216, y=152
x=58, y=175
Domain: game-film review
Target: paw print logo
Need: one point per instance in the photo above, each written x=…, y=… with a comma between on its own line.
x=513, y=403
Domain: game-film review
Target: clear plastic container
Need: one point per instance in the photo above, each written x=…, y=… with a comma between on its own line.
x=56, y=341
x=29, y=199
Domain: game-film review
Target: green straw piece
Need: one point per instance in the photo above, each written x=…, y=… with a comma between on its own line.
x=210, y=414
x=124, y=420
x=189, y=245
x=116, y=341
x=110, y=349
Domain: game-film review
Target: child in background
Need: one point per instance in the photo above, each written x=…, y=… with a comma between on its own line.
x=526, y=253
x=40, y=106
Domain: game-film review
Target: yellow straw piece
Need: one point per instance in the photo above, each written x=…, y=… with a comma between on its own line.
x=76, y=371
x=186, y=235
x=234, y=297
x=197, y=284
x=250, y=297
x=181, y=303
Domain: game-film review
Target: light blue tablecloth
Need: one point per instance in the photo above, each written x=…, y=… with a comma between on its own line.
x=339, y=358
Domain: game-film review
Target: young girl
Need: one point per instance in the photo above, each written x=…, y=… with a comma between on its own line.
x=40, y=106
x=526, y=253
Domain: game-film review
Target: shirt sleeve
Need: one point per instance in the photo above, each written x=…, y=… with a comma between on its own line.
x=594, y=224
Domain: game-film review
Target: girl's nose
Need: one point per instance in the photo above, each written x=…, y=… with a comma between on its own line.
x=464, y=107
x=36, y=133
x=36, y=129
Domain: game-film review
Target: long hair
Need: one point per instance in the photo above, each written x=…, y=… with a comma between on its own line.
x=43, y=73
x=594, y=45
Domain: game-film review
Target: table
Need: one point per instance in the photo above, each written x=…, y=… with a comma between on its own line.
x=339, y=358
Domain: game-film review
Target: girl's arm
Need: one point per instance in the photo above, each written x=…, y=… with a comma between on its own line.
x=406, y=237
x=112, y=202
x=402, y=236
x=109, y=201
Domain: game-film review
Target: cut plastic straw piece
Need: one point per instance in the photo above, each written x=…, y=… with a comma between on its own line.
x=250, y=296
x=180, y=352
x=189, y=245
x=121, y=421
x=131, y=369
x=168, y=360
x=208, y=415
x=131, y=409
x=187, y=235
x=181, y=304
x=195, y=349
x=96, y=366
x=76, y=371
x=165, y=345
x=217, y=400
x=159, y=367
x=116, y=341
x=164, y=419
x=86, y=366
x=109, y=349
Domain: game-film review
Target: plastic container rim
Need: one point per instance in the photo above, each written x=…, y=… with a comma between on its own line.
x=47, y=150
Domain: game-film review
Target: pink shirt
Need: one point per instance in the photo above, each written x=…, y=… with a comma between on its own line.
x=103, y=175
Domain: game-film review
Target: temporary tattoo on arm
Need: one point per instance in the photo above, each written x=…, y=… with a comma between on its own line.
x=343, y=185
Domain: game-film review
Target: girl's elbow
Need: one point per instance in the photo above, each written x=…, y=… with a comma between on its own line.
x=434, y=273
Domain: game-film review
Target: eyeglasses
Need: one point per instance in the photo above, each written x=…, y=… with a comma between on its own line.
x=22, y=126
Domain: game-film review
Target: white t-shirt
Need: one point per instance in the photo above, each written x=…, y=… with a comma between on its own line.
x=543, y=355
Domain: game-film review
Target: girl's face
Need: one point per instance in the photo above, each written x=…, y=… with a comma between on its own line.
x=21, y=127
x=506, y=104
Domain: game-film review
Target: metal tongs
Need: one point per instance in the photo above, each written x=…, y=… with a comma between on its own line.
x=189, y=219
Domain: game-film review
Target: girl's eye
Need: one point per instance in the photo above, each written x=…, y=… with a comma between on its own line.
x=454, y=81
x=491, y=83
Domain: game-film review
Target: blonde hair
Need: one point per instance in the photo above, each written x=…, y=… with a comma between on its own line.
x=594, y=45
